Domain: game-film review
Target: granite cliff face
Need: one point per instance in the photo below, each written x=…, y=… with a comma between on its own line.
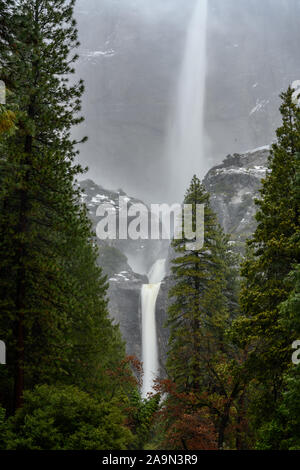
x=124, y=307
x=125, y=262
x=233, y=186
x=138, y=255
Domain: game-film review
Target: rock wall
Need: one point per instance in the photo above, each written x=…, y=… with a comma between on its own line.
x=233, y=187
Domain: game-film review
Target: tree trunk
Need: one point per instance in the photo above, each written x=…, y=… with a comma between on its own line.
x=20, y=291
x=223, y=425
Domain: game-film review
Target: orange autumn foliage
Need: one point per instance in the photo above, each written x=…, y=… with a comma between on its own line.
x=188, y=425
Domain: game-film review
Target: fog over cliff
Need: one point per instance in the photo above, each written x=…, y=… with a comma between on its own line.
x=130, y=57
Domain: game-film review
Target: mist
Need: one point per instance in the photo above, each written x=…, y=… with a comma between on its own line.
x=130, y=58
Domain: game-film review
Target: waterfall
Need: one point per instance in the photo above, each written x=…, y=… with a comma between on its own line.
x=185, y=136
x=149, y=337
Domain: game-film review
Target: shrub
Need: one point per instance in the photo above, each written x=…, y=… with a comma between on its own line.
x=65, y=418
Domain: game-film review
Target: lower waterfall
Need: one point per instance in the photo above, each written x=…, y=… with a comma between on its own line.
x=149, y=335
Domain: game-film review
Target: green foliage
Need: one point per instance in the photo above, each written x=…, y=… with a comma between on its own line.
x=142, y=418
x=7, y=121
x=41, y=219
x=270, y=289
x=203, y=297
x=65, y=418
x=54, y=318
x=283, y=432
x=2, y=428
x=201, y=362
x=62, y=347
x=289, y=310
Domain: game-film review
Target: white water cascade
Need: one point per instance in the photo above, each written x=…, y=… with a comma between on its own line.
x=149, y=337
x=185, y=136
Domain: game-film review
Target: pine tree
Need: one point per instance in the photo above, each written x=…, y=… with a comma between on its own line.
x=54, y=316
x=289, y=309
x=5, y=30
x=274, y=250
x=203, y=305
x=198, y=295
x=36, y=169
x=282, y=432
x=7, y=116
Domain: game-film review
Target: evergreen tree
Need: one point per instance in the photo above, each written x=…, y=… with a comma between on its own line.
x=54, y=316
x=65, y=418
x=7, y=121
x=5, y=30
x=200, y=304
x=203, y=305
x=36, y=180
x=283, y=431
x=274, y=250
x=7, y=116
x=289, y=309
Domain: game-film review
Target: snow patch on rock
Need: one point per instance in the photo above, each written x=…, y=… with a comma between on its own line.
x=296, y=94
x=260, y=105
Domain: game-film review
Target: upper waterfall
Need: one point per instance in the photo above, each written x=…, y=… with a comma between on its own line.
x=157, y=271
x=185, y=137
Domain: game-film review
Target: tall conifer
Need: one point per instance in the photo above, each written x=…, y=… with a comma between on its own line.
x=54, y=315
x=274, y=250
x=203, y=305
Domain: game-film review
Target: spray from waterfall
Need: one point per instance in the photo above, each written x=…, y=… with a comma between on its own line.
x=185, y=136
x=149, y=336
